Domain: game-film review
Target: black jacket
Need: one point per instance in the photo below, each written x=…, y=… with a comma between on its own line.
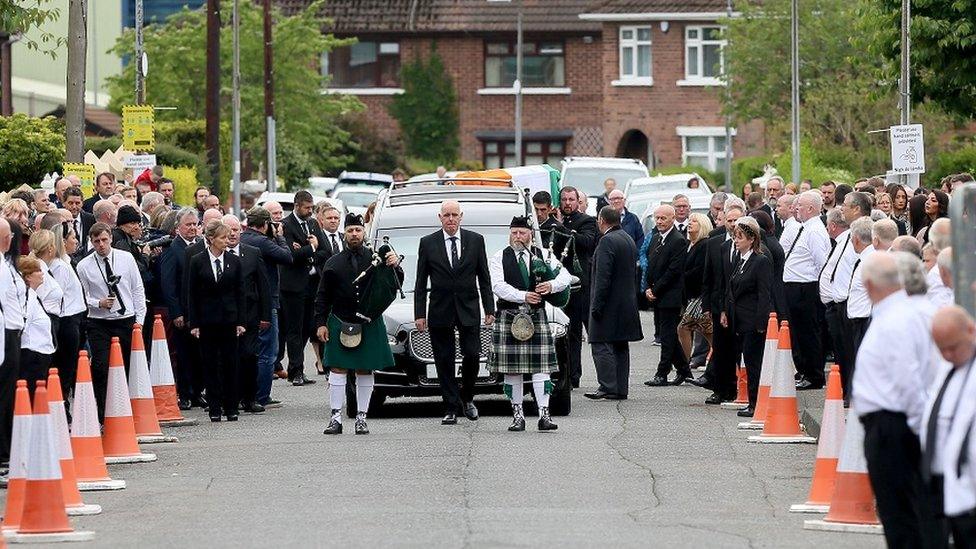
x=84, y=246
x=172, y=265
x=775, y=252
x=454, y=292
x=587, y=236
x=665, y=264
x=295, y=277
x=274, y=252
x=717, y=270
x=122, y=241
x=257, y=291
x=749, y=296
x=214, y=303
x=613, y=294
x=336, y=293
x=694, y=271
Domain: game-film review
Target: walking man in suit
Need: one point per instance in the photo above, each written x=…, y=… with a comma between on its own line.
x=454, y=262
x=665, y=265
x=81, y=220
x=172, y=265
x=614, y=320
x=580, y=256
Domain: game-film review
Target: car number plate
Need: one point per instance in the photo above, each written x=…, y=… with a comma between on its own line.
x=432, y=371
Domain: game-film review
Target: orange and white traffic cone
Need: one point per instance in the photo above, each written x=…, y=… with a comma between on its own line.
x=44, y=518
x=119, y=435
x=17, y=476
x=770, y=355
x=828, y=448
x=141, y=395
x=59, y=423
x=86, y=435
x=852, y=507
x=742, y=392
x=163, y=384
x=782, y=423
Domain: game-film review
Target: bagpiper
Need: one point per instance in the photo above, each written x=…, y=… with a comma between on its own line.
x=522, y=279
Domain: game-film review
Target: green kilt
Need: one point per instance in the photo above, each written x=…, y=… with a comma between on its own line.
x=511, y=356
x=373, y=352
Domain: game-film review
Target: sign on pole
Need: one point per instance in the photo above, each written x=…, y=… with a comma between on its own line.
x=139, y=161
x=137, y=128
x=85, y=172
x=907, y=149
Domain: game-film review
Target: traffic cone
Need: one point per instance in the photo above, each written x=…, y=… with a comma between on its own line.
x=742, y=393
x=828, y=448
x=59, y=423
x=852, y=507
x=163, y=384
x=141, y=395
x=44, y=518
x=782, y=423
x=20, y=438
x=770, y=356
x=86, y=435
x=119, y=435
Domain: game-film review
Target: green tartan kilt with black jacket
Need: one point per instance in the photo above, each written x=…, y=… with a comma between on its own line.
x=508, y=355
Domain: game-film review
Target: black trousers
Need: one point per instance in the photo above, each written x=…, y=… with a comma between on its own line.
x=442, y=344
x=612, y=362
x=751, y=346
x=933, y=514
x=282, y=341
x=9, y=373
x=578, y=311
x=66, y=355
x=33, y=368
x=803, y=299
x=247, y=368
x=297, y=308
x=100, y=334
x=963, y=530
x=666, y=318
x=220, y=368
x=836, y=328
x=893, y=455
x=190, y=381
x=858, y=327
x=721, y=370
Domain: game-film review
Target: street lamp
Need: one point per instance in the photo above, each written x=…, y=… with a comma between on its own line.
x=517, y=85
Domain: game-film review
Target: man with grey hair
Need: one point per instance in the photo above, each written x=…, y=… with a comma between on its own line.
x=912, y=273
x=835, y=283
x=716, y=206
x=944, y=295
x=888, y=399
x=940, y=236
x=883, y=234
x=858, y=305
x=105, y=212
x=856, y=204
x=150, y=201
x=775, y=189
x=907, y=244
x=665, y=266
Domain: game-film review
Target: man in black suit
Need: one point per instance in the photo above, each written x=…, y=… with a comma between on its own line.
x=665, y=265
x=456, y=264
x=257, y=313
x=300, y=282
x=585, y=239
x=104, y=187
x=80, y=219
x=614, y=320
x=545, y=216
x=604, y=199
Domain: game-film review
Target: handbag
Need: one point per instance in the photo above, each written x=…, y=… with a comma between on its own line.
x=693, y=310
x=350, y=334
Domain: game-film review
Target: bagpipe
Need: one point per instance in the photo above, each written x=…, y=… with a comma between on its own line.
x=379, y=285
x=540, y=268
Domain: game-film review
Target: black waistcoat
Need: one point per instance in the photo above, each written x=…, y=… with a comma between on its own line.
x=514, y=278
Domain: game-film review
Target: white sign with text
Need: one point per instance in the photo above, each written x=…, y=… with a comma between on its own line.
x=140, y=161
x=907, y=149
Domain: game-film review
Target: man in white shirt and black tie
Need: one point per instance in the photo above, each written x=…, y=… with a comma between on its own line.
x=116, y=300
x=833, y=284
x=858, y=304
x=682, y=209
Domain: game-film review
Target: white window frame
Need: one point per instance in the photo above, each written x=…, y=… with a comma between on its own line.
x=711, y=132
x=632, y=79
x=697, y=79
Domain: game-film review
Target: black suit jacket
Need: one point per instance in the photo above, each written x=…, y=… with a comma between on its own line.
x=749, y=295
x=172, y=264
x=694, y=271
x=295, y=277
x=84, y=246
x=717, y=269
x=587, y=236
x=665, y=264
x=89, y=203
x=774, y=251
x=211, y=302
x=453, y=291
x=257, y=290
x=188, y=254
x=613, y=303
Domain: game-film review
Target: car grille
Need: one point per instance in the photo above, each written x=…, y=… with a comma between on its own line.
x=420, y=348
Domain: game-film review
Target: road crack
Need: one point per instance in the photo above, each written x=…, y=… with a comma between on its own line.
x=717, y=531
x=466, y=491
x=624, y=421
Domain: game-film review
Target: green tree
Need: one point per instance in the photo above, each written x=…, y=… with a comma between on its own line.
x=20, y=16
x=30, y=148
x=307, y=118
x=943, y=49
x=427, y=110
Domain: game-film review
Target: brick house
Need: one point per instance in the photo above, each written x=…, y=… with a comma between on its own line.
x=631, y=78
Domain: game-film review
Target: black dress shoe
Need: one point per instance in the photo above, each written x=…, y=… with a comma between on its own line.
x=470, y=411
x=518, y=424
x=595, y=395
x=612, y=396
x=215, y=419
x=574, y=383
x=545, y=424
x=198, y=402
x=748, y=411
x=253, y=408
x=335, y=426
x=681, y=378
x=450, y=418
x=657, y=381
x=702, y=382
x=714, y=398
x=185, y=404
x=298, y=381
x=232, y=417
x=807, y=385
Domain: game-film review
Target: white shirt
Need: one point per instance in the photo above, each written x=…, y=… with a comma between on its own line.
x=806, y=254
x=508, y=292
x=836, y=276
x=336, y=238
x=213, y=264
x=947, y=409
x=447, y=245
x=82, y=241
x=790, y=228
x=13, y=294
x=91, y=273
x=50, y=292
x=742, y=259
x=893, y=359
x=682, y=226
x=74, y=298
x=858, y=303
x=939, y=294
x=960, y=482
x=37, y=335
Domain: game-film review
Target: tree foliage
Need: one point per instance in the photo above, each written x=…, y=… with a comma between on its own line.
x=427, y=110
x=307, y=119
x=30, y=148
x=21, y=16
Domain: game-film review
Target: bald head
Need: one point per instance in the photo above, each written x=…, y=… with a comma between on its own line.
x=616, y=199
x=939, y=233
x=954, y=333
x=275, y=210
x=450, y=216
x=944, y=261
x=908, y=244
x=211, y=215
x=664, y=218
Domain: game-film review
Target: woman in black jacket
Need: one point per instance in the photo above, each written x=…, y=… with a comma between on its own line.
x=748, y=302
x=215, y=310
x=693, y=317
x=774, y=251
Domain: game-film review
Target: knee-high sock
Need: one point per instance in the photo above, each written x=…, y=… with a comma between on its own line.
x=539, y=388
x=364, y=390
x=513, y=384
x=337, y=390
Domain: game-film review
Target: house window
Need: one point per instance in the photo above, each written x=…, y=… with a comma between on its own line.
x=704, y=59
x=364, y=65
x=705, y=151
x=635, y=54
x=543, y=64
x=501, y=154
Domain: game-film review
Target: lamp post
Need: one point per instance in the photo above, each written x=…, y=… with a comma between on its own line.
x=236, y=100
x=795, y=87
x=517, y=85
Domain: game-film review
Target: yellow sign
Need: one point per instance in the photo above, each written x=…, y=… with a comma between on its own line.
x=137, y=128
x=85, y=172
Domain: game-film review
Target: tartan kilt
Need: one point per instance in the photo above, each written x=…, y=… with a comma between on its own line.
x=511, y=356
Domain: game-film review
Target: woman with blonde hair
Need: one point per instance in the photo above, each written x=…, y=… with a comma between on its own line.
x=17, y=213
x=49, y=292
x=73, y=309
x=37, y=343
x=694, y=319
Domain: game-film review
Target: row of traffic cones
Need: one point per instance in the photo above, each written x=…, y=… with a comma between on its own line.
x=840, y=486
x=50, y=467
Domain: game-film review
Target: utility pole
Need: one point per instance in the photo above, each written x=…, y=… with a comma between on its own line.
x=6, y=88
x=236, y=139
x=728, y=116
x=212, y=98
x=518, y=87
x=74, y=107
x=140, y=69
x=904, y=84
x=795, y=87
x=271, y=167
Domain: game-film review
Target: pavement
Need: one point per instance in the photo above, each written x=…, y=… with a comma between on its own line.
x=659, y=469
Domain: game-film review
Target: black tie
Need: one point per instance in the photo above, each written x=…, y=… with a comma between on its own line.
x=454, y=253
x=305, y=228
x=840, y=258
x=798, y=233
x=220, y=272
x=854, y=270
x=109, y=275
x=335, y=245
x=742, y=264
x=933, y=426
x=231, y=251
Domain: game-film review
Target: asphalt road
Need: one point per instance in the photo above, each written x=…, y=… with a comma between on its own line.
x=660, y=469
